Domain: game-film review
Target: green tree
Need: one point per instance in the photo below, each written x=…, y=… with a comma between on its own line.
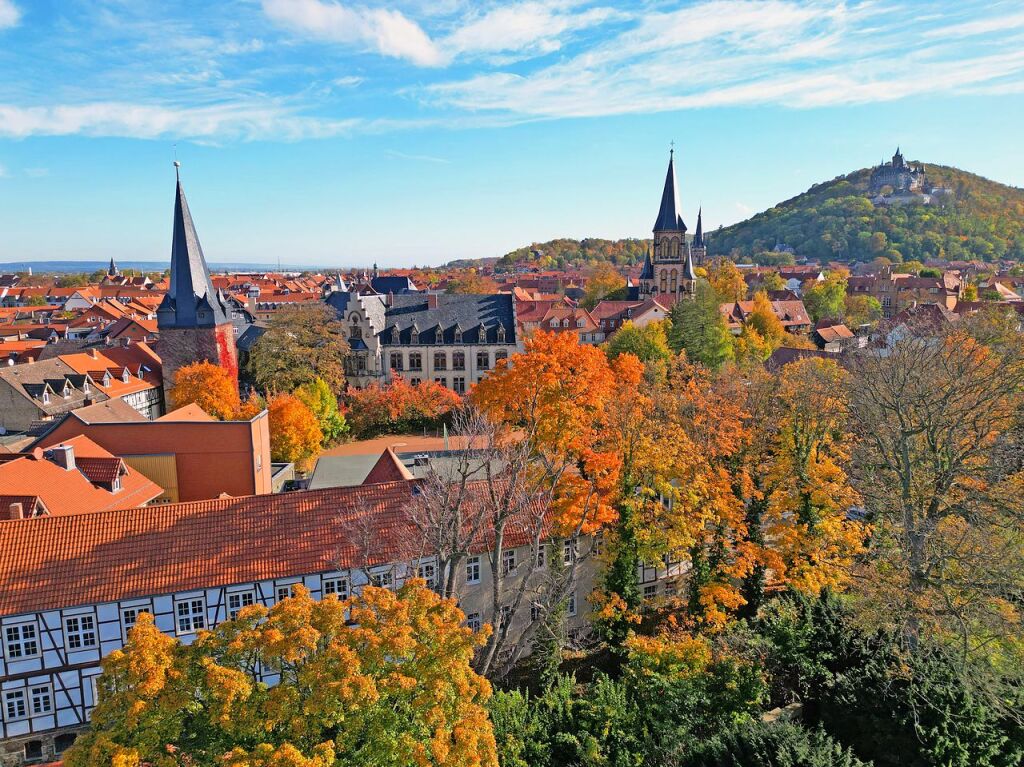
x=699, y=329
x=774, y=745
x=649, y=344
x=303, y=343
x=319, y=398
x=861, y=309
x=826, y=298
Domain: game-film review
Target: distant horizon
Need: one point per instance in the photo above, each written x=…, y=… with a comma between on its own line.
x=412, y=133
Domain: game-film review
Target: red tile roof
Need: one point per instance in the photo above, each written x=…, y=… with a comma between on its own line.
x=105, y=556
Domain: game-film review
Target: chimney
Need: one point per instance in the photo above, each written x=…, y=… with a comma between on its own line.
x=63, y=456
x=93, y=353
x=16, y=511
x=390, y=299
x=431, y=300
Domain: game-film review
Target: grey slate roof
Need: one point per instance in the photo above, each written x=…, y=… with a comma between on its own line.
x=466, y=313
x=394, y=285
x=191, y=300
x=647, y=273
x=31, y=380
x=670, y=217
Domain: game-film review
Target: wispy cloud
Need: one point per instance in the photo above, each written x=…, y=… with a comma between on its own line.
x=388, y=32
x=9, y=14
x=415, y=157
x=3, y=172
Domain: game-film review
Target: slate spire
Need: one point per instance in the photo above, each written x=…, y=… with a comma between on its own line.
x=698, y=236
x=191, y=300
x=112, y=269
x=670, y=218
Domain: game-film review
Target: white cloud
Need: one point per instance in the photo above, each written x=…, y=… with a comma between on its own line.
x=987, y=26
x=9, y=14
x=388, y=32
x=148, y=121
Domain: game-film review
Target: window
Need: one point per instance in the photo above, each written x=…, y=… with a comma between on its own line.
x=458, y=336
x=508, y=561
x=569, y=552
x=14, y=704
x=473, y=621
x=337, y=586
x=501, y=334
x=34, y=750
x=473, y=570
x=414, y=381
x=505, y=615
x=535, y=612
x=237, y=601
x=438, y=335
x=129, y=617
x=115, y=486
x=441, y=382
x=579, y=322
x=42, y=699
x=415, y=361
x=382, y=580
x=427, y=573
x=191, y=615
x=440, y=361
x=459, y=384
x=542, y=555
x=396, y=360
x=483, y=360
x=414, y=335
x=458, y=360
x=500, y=355
x=650, y=591
x=565, y=322
x=572, y=604
x=66, y=392
x=46, y=398
x=355, y=333
x=554, y=323
x=285, y=592
x=21, y=641
x=63, y=742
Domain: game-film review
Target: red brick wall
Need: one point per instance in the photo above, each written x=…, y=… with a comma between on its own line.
x=183, y=346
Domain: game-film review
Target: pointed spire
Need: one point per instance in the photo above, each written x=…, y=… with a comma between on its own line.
x=689, y=273
x=669, y=217
x=112, y=269
x=647, y=273
x=191, y=300
x=698, y=236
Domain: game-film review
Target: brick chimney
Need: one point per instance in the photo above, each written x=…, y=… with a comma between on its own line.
x=431, y=300
x=16, y=511
x=63, y=456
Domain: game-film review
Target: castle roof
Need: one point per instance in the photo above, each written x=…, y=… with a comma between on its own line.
x=191, y=300
x=670, y=218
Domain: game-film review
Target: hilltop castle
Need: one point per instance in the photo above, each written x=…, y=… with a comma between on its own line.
x=898, y=175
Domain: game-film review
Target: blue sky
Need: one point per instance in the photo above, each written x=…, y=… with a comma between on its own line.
x=415, y=131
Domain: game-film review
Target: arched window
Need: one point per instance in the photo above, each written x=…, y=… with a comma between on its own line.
x=440, y=361
x=415, y=361
x=458, y=360
x=675, y=281
x=664, y=281
x=396, y=360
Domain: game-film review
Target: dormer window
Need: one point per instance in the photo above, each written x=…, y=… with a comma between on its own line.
x=414, y=335
x=501, y=334
x=46, y=397
x=579, y=322
x=439, y=335
x=125, y=375
x=66, y=392
x=107, y=379
x=565, y=322
x=554, y=323
x=86, y=388
x=116, y=484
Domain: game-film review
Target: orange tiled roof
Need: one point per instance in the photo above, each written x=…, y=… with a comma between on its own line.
x=105, y=556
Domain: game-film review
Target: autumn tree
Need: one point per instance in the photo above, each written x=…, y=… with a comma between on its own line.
x=648, y=343
x=295, y=435
x=471, y=282
x=699, y=329
x=772, y=281
x=727, y=280
x=860, y=309
x=319, y=398
x=209, y=386
x=933, y=410
x=303, y=343
x=602, y=279
x=382, y=678
x=399, y=407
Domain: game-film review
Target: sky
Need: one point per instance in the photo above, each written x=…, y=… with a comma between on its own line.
x=412, y=132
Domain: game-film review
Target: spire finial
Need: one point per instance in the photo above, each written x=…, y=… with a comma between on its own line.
x=671, y=148
x=177, y=170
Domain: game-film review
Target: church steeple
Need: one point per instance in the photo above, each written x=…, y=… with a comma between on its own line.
x=112, y=269
x=698, y=236
x=191, y=301
x=670, y=218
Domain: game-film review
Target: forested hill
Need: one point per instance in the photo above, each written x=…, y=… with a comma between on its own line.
x=836, y=221
x=562, y=253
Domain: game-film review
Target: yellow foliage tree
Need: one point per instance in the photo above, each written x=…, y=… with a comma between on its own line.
x=395, y=688
x=295, y=435
x=727, y=280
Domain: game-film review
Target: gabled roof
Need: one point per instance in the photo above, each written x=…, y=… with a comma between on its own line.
x=191, y=300
x=389, y=468
x=670, y=217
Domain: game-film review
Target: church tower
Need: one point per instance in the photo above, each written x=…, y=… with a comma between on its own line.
x=194, y=320
x=669, y=268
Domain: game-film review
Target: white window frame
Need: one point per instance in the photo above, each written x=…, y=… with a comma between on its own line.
x=428, y=572
x=508, y=561
x=185, y=623
x=21, y=640
x=474, y=622
x=340, y=586
x=650, y=591
x=38, y=693
x=13, y=696
x=241, y=595
x=384, y=579
x=473, y=570
x=571, y=605
x=81, y=632
x=542, y=555
x=137, y=609
x=285, y=591
x=570, y=551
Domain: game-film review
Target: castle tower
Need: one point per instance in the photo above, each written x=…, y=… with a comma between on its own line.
x=194, y=319
x=669, y=270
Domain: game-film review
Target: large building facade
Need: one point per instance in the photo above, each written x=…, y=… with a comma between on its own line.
x=669, y=268
x=453, y=340
x=194, y=319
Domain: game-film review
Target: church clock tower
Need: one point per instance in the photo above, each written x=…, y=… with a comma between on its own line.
x=668, y=269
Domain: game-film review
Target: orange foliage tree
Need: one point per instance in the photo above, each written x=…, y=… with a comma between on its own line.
x=295, y=435
x=209, y=386
x=395, y=688
x=398, y=407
